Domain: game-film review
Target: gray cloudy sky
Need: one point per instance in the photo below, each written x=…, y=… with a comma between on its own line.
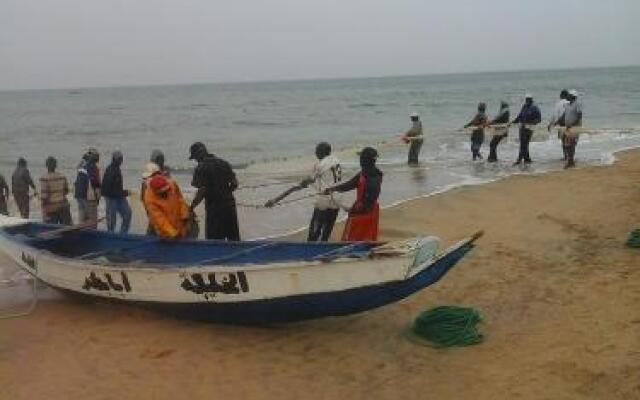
x=76, y=43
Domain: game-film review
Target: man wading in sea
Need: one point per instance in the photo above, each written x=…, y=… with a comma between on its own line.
x=215, y=182
x=477, y=136
x=326, y=172
x=414, y=137
x=54, y=188
x=362, y=223
x=20, y=183
x=4, y=195
x=558, y=120
x=529, y=115
x=572, y=120
x=499, y=132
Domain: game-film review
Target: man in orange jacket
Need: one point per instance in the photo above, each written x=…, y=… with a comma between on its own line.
x=168, y=212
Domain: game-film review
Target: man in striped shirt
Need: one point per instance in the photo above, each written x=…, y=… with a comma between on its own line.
x=53, y=195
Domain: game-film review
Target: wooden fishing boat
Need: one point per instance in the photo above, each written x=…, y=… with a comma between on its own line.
x=250, y=282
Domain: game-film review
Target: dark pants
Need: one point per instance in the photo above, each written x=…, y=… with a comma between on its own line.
x=525, y=138
x=114, y=207
x=414, y=151
x=477, y=138
x=570, y=144
x=321, y=224
x=222, y=222
x=22, y=201
x=60, y=216
x=3, y=206
x=493, y=147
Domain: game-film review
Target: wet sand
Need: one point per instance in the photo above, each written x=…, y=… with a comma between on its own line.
x=559, y=292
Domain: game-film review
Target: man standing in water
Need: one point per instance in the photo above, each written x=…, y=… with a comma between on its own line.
x=326, y=173
x=528, y=116
x=558, y=120
x=20, y=183
x=4, y=195
x=414, y=137
x=477, y=136
x=215, y=182
x=572, y=120
x=115, y=195
x=53, y=195
x=499, y=132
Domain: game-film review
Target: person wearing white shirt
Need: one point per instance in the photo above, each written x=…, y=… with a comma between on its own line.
x=572, y=119
x=558, y=120
x=326, y=173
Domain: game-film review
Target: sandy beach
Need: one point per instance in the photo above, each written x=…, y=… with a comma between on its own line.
x=558, y=290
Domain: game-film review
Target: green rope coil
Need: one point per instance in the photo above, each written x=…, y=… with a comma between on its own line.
x=634, y=239
x=447, y=326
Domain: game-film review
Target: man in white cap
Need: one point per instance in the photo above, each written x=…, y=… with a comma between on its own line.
x=529, y=115
x=572, y=119
x=414, y=137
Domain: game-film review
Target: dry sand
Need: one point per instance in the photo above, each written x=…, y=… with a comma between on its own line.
x=559, y=292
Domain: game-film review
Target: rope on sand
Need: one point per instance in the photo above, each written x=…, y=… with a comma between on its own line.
x=34, y=298
x=446, y=326
x=251, y=205
x=634, y=239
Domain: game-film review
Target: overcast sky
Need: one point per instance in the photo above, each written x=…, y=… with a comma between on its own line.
x=78, y=43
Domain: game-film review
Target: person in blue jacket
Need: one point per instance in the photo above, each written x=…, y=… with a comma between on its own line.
x=528, y=117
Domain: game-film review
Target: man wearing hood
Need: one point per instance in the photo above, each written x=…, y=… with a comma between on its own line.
x=362, y=223
x=528, y=116
x=326, y=172
x=87, y=188
x=499, y=132
x=215, y=180
x=115, y=195
x=477, y=136
x=414, y=137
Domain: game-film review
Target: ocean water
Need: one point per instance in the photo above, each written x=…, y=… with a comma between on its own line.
x=268, y=130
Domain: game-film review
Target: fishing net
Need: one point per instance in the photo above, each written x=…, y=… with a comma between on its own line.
x=634, y=239
x=447, y=326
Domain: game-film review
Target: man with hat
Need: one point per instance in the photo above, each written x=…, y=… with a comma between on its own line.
x=87, y=188
x=362, y=223
x=168, y=212
x=414, y=137
x=528, y=116
x=215, y=180
x=53, y=195
x=477, y=135
x=572, y=120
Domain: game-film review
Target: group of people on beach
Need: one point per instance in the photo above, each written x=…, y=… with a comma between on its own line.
x=567, y=116
x=167, y=211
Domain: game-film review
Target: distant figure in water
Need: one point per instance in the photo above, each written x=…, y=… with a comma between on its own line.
x=500, y=132
x=326, y=172
x=477, y=136
x=4, y=195
x=54, y=188
x=414, y=137
x=557, y=119
x=20, y=183
x=215, y=180
x=362, y=224
x=528, y=116
x=572, y=120
x=87, y=188
x=116, y=195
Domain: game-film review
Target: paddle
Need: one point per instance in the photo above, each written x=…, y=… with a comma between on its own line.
x=56, y=232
